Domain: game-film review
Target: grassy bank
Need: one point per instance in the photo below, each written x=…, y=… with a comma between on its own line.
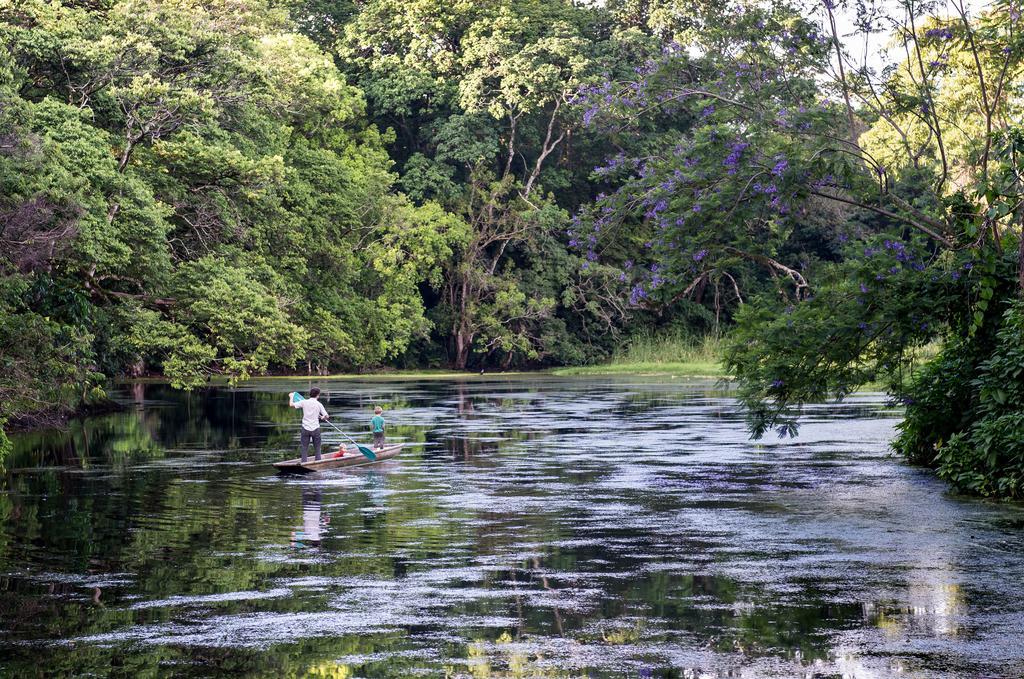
x=647, y=354
x=644, y=354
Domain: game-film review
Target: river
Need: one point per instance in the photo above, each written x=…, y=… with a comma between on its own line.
x=532, y=527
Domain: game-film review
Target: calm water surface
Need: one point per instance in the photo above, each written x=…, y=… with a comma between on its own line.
x=534, y=528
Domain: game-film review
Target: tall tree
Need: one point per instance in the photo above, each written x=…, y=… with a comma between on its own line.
x=194, y=188
x=926, y=153
x=482, y=98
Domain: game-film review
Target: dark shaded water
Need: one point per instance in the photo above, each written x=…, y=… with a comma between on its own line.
x=537, y=528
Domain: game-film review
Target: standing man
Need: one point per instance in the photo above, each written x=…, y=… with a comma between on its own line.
x=312, y=413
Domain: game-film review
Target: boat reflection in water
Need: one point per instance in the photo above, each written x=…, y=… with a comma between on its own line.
x=312, y=520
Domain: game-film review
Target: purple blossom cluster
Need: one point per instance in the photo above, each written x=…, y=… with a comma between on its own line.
x=899, y=249
x=828, y=181
x=905, y=259
x=939, y=33
x=732, y=160
x=615, y=163
x=660, y=188
x=597, y=96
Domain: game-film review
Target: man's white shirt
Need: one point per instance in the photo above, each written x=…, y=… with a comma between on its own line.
x=312, y=411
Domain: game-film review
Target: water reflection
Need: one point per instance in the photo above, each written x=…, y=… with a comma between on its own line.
x=313, y=520
x=539, y=528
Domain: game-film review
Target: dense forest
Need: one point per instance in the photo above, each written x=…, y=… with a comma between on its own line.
x=230, y=188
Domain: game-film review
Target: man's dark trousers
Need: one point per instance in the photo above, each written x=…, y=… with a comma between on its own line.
x=307, y=438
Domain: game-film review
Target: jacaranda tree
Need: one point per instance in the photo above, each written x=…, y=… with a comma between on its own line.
x=920, y=162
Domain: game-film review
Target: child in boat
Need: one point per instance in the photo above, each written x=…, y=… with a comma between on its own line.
x=377, y=425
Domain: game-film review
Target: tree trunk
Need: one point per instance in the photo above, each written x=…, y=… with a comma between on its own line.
x=1020, y=263
x=463, y=341
x=462, y=325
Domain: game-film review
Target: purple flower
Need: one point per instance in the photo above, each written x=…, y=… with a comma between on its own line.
x=777, y=383
x=939, y=33
x=780, y=166
x=699, y=255
x=613, y=163
x=863, y=288
x=733, y=159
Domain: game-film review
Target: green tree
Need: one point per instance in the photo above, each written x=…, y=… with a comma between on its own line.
x=924, y=159
x=195, y=189
x=481, y=96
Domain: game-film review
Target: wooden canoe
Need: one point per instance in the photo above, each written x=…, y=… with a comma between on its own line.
x=350, y=458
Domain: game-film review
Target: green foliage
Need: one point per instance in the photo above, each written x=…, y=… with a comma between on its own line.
x=969, y=414
x=929, y=196
x=672, y=346
x=481, y=99
x=865, y=322
x=194, y=189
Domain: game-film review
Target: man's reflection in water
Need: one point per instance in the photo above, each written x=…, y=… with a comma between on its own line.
x=309, y=534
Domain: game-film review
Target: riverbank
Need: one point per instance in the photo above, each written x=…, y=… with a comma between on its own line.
x=669, y=355
x=707, y=369
x=648, y=369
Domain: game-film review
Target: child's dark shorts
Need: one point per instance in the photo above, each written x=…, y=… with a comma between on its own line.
x=378, y=439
